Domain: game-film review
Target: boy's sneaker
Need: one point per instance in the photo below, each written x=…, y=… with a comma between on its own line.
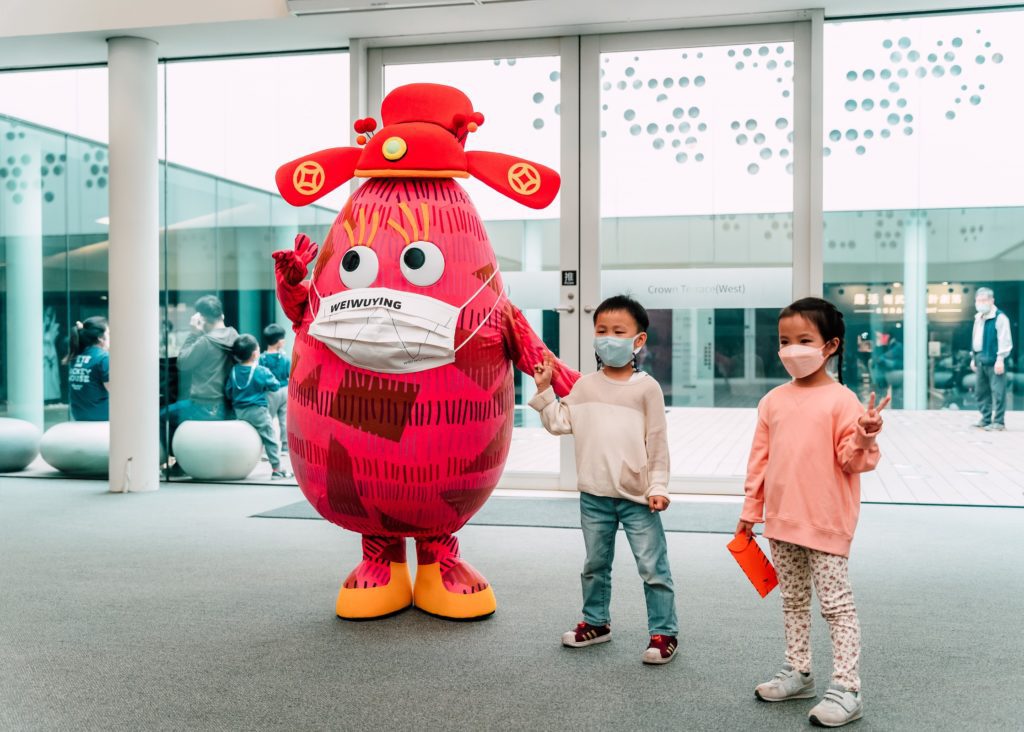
x=838, y=707
x=787, y=684
x=280, y=475
x=661, y=649
x=981, y=424
x=996, y=427
x=586, y=635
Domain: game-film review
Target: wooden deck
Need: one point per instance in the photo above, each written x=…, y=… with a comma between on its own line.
x=927, y=457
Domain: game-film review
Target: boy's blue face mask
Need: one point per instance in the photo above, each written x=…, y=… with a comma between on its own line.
x=615, y=352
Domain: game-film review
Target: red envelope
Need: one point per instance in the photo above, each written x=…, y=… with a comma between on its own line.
x=754, y=563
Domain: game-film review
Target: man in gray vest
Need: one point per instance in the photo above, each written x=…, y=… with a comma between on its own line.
x=990, y=346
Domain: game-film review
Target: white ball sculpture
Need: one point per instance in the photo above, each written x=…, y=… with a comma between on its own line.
x=227, y=450
x=19, y=444
x=78, y=448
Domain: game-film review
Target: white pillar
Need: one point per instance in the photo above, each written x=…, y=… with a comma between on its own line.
x=533, y=261
x=22, y=220
x=134, y=266
x=915, y=313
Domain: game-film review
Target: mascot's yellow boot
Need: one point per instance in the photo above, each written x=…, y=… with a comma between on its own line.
x=375, y=590
x=462, y=594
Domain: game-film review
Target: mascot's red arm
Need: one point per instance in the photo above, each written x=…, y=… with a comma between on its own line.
x=290, y=268
x=526, y=349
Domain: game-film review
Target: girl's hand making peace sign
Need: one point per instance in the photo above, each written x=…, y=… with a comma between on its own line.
x=871, y=420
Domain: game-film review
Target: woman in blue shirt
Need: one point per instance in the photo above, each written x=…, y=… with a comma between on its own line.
x=89, y=375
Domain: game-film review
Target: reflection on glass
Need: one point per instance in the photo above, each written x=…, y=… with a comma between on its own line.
x=923, y=198
x=520, y=99
x=230, y=124
x=53, y=260
x=696, y=211
x=870, y=268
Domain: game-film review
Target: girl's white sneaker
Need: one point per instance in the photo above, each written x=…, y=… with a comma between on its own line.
x=787, y=684
x=838, y=707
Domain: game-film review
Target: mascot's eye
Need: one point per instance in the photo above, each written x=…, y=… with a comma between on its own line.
x=359, y=267
x=422, y=263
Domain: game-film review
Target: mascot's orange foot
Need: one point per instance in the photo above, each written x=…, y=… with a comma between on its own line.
x=375, y=590
x=457, y=592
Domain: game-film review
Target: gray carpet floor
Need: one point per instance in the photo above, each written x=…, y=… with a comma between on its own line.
x=176, y=610
x=558, y=513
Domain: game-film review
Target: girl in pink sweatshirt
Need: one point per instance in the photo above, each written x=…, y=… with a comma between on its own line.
x=813, y=439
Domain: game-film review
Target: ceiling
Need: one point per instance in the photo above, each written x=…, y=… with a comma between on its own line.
x=40, y=33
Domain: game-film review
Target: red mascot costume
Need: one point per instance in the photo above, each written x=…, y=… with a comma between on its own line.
x=400, y=403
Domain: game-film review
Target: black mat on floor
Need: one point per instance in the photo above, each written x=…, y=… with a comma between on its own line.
x=564, y=513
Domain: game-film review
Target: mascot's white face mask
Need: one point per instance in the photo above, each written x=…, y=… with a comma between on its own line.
x=391, y=331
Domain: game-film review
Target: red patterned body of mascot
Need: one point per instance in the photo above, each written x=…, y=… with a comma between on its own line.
x=400, y=403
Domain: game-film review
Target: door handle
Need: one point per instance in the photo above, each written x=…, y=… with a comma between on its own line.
x=568, y=309
x=589, y=308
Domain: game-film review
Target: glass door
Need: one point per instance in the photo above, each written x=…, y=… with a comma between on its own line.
x=519, y=89
x=688, y=164
x=696, y=210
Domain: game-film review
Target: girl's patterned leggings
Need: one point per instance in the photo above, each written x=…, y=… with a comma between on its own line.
x=796, y=567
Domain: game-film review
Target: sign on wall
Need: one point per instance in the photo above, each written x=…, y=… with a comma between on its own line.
x=667, y=289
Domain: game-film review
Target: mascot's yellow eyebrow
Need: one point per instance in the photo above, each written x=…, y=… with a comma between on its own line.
x=412, y=219
x=362, y=239
x=425, y=216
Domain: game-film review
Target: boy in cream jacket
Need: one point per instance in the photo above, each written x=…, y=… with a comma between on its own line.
x=617, y=416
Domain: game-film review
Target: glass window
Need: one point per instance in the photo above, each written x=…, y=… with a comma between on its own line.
x=520, y=99
x=53, y=234
x=697, y=209
x=230, y=124
x=923, y=198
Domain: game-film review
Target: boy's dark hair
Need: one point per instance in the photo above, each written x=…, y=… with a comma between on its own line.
x=209, y=307
x=243, y=347
x=824, y=316
x=86, y=336
x=631, y=306
x=272, y=334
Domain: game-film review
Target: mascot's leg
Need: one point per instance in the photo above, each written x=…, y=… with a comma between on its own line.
x=448, y=586
x=380, y=585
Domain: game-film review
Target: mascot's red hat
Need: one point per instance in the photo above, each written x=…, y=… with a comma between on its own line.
x=424, y=136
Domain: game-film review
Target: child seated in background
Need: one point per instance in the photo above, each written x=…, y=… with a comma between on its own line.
x=246, y=390
x=280, y=365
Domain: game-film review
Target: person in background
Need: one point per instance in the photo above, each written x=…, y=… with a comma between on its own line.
x=247, y=388
x=206, y=355
x=277, y=360
x=888, y=358
x=990, y=346
x=51, y=361
x=89, y=375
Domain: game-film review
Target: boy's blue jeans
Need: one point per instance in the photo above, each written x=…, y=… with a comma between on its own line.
x=600, y=518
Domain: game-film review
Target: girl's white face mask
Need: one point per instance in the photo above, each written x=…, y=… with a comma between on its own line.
x=391, y=331
x=801, y=360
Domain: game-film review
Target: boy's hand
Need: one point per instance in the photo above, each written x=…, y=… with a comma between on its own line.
x=542, y=372
x=871, y=420
x=657, y=503
x=746, y=528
